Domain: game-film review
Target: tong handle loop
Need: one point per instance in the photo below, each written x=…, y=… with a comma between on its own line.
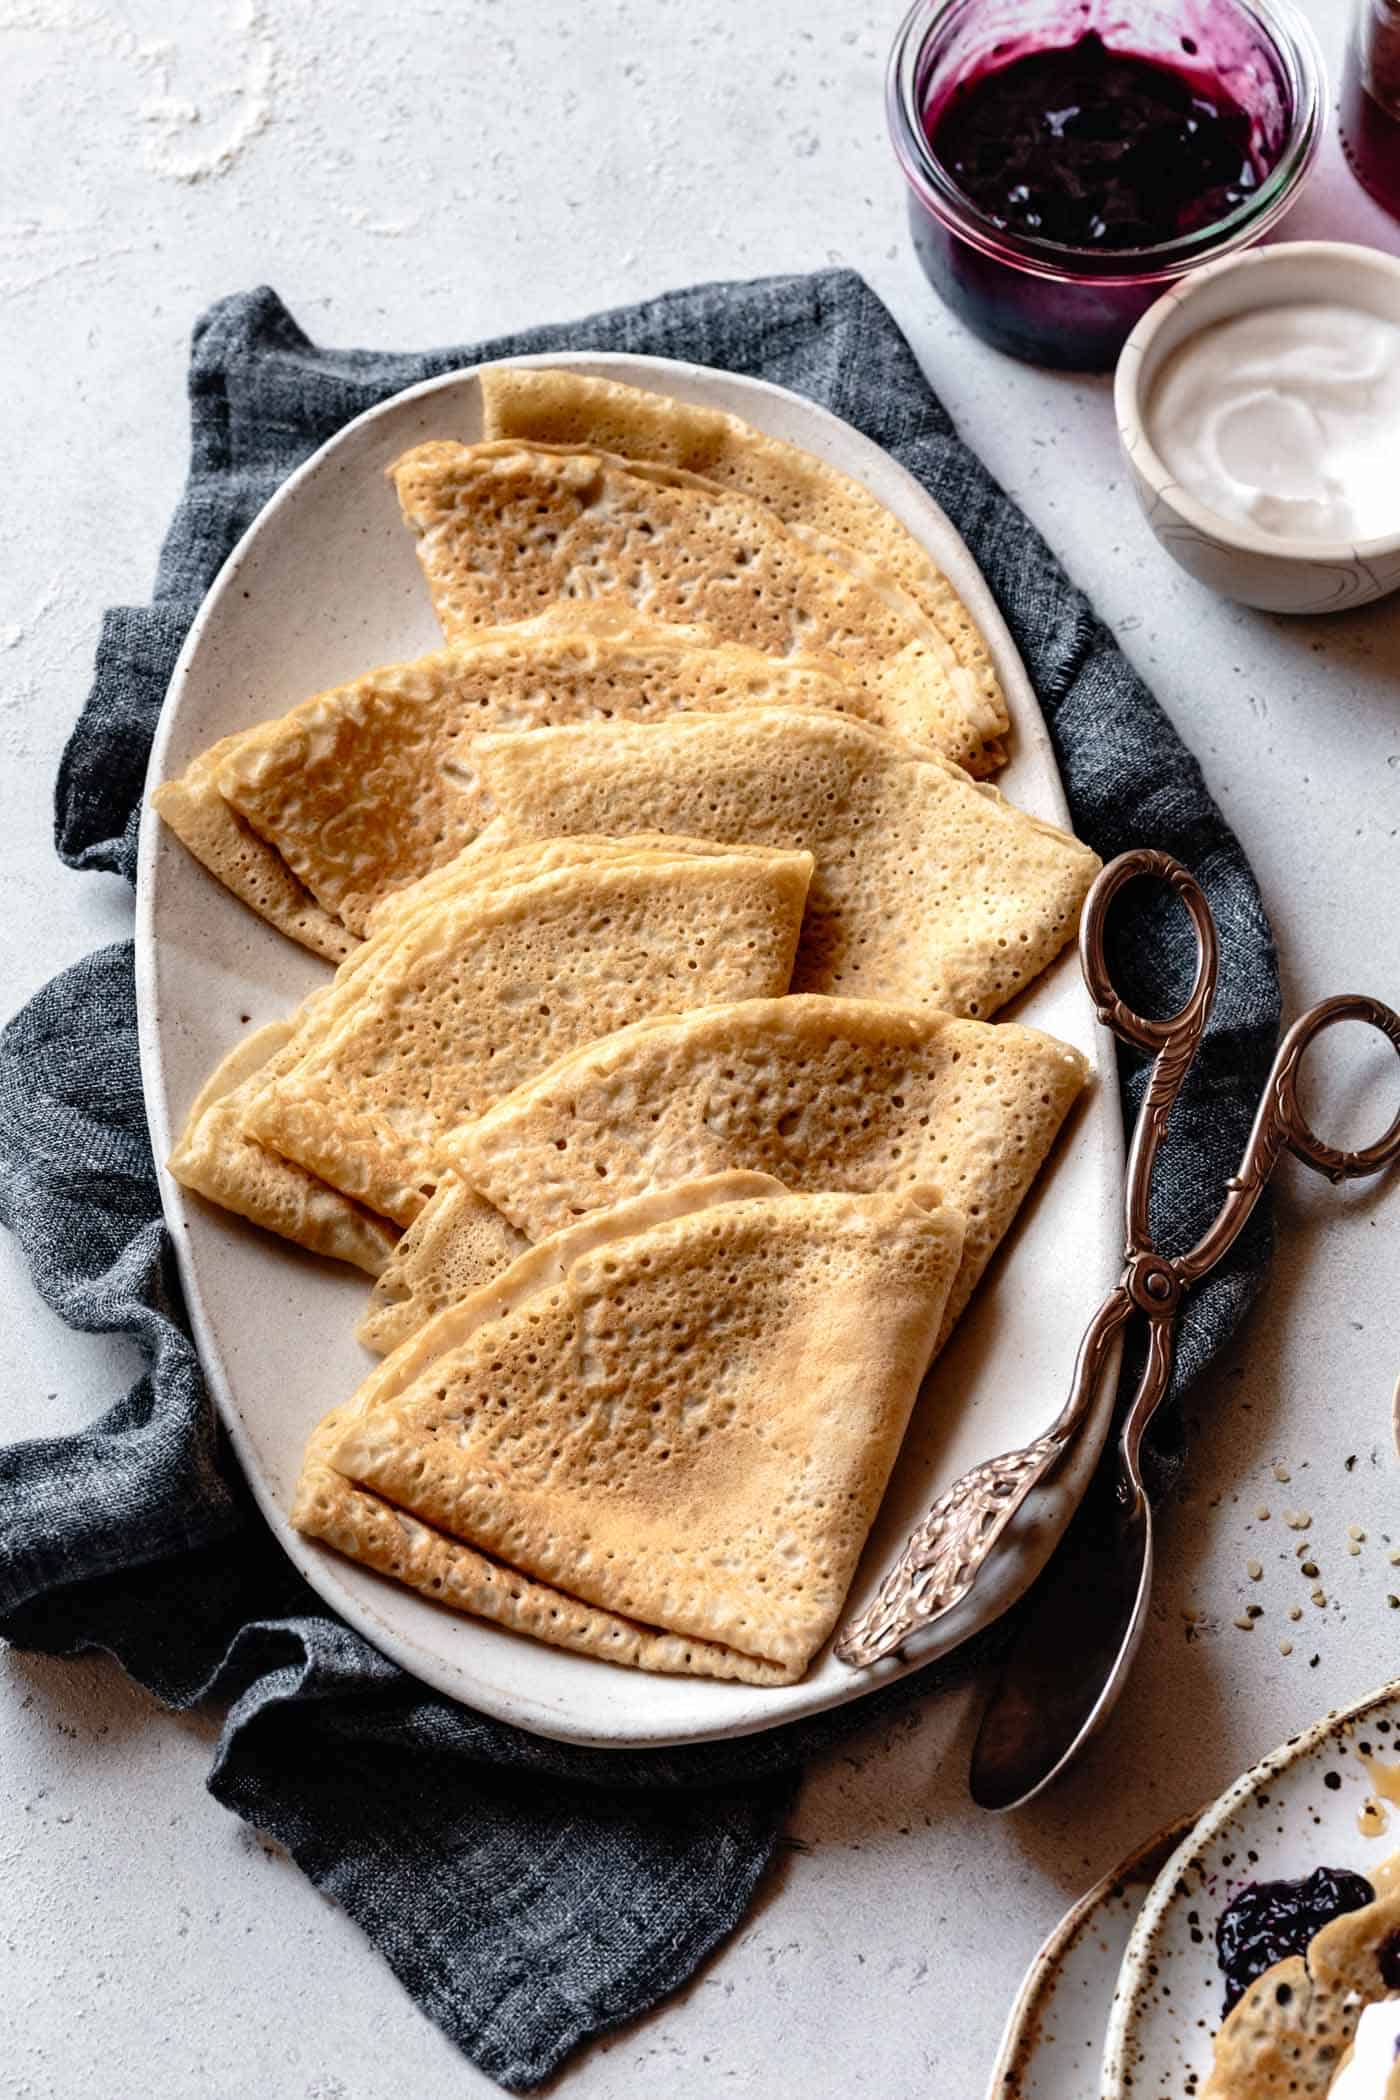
x=1296, y=1131
x=1183, y=1028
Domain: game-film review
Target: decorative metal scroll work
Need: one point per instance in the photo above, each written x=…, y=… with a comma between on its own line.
x=940, y=1561
x=945, y=1553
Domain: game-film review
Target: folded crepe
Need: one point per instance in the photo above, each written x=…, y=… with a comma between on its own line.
x=493, y=861
x=930, y=888
x=218, y=1154
x=566, y=408
x=682, y=1429
x=461, y=1242
x=369, y=786
x=506, y=529
x=369, y=1529
x=470, y=994
x=219, y=1160
x=822, y=1093
x=254, y=871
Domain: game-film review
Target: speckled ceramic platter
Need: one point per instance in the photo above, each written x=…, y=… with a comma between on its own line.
x=1053, y=2043
x=1303, y=1806
x=323, y=585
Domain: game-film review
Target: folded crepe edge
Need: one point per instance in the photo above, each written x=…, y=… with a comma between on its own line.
x=521, y=401
x=369, y=1528
x=358, y=1451
x=395, y=1308
x=606, y=630
x=302, y=1209
x=1062, y=1071
x=227, y=846
x=349, y=1146
x=978, y=723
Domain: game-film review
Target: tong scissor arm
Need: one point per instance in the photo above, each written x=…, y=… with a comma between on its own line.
x=945, y=1551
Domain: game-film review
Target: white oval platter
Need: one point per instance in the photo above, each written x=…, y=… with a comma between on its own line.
x=324, y=584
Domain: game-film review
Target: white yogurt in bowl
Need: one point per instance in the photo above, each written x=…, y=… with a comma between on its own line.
x=1286, y=418
x=1258, y=405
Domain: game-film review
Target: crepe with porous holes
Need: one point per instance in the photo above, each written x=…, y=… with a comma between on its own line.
x=507, y=529
x=556, y=407
x=691, y=1428
x=494, y=861
x=823, y=1093
x=485, y=988
x=255, y=872
x=461, y=1242
x=930, y=888
x=365, y=1527
x=371, y=785
x=220, y=1157
x=219, y=1160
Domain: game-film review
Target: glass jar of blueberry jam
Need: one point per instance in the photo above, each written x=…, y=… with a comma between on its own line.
x=1067, y=162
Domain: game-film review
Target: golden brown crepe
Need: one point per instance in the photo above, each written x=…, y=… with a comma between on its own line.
x=822, y=1093
x=507, y=529
x=566, y=408
x=371, y=785
x=219, y=1160
x=494, y=861
x=460, y=1243
x=930, y=888
x=366, y=1528
x=224, y=843
x=690, y=1429
x=220, y=1156
x=472, y=994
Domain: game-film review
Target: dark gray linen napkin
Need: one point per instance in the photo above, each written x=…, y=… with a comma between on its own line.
x=525, y=1893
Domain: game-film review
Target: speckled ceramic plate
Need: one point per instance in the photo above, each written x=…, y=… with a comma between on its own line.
x=1053, y=2043
x=324, y=583
x=1303, y=1806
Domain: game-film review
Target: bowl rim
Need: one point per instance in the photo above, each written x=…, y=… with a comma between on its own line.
x=1128, y=406
x=1298, y=54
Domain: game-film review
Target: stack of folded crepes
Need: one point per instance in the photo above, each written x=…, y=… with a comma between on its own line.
x=657, y=1084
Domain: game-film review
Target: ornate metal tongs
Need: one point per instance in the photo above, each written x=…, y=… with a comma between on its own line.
x=945, y=1553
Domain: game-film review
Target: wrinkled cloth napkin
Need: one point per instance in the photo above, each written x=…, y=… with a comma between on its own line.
x=525, y=1893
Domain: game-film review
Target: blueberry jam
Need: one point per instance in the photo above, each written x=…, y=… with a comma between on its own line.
x=1097, y=149
x=1270, y=1920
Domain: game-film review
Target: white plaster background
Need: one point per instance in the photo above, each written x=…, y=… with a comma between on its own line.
x=431, y=172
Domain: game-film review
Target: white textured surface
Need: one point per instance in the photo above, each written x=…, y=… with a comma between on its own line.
x=429, y=173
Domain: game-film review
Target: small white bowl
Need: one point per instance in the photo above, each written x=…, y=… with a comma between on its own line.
x=1258, y=568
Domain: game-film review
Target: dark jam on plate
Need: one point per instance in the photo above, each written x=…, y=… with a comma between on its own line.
x=1270, y=1920
x=1097, y=149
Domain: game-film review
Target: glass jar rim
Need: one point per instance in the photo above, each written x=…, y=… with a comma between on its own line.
x=1300, y=64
